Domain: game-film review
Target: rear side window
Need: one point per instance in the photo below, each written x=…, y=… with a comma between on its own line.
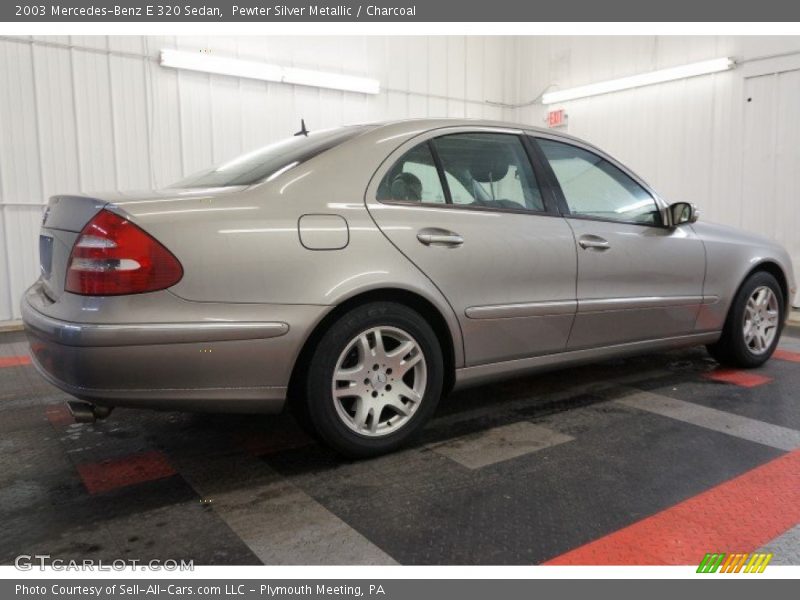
x=489, y=170
x=593, y=187
x=413, y=178
x=480, y=170
x=259, y=165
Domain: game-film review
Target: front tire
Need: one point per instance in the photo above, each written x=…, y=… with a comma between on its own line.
x=374, y=379
x=753, y=327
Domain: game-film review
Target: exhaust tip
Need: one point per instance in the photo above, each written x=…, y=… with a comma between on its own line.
x=85, y=412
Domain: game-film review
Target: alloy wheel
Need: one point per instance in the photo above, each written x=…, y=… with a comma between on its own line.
x=379, y=381
x=761, y=319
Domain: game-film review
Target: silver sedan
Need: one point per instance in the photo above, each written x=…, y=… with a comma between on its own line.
x=360, y=273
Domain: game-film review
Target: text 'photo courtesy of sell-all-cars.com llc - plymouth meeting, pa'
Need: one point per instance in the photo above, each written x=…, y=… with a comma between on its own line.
x=358, y=274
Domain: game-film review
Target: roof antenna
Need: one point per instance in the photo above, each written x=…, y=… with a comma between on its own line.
x=303, y=130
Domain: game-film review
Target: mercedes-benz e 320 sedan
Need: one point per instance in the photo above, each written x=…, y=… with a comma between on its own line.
x=361, y=273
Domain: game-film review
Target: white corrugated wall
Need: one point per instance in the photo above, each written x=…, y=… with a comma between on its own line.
x=700, y=140
x=98, y=113
x=93, y=113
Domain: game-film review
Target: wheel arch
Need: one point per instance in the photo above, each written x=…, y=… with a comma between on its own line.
x=774, y=269
x=729, y=349
x=765, y=266
x=416, y=301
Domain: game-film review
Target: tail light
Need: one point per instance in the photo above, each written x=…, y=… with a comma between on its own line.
x=112, y=256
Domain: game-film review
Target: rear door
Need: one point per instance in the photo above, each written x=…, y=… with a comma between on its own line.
x=467, y=207
x=637, y=279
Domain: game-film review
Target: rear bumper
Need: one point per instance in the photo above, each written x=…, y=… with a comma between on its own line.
x=207, y=364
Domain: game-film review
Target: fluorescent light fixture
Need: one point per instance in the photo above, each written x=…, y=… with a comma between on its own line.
x=248, y=69
x=614, y=85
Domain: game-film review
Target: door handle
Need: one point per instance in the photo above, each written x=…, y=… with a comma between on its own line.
x=433, y=236
x=593, y=242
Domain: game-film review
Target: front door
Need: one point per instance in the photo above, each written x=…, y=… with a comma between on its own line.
x=467, y=209
x=637, y=279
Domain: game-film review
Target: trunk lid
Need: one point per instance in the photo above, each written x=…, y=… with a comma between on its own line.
x=66, y=215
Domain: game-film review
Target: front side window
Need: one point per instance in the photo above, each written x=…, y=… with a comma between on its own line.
x=593, y=187
x=413, y=178
x=490, y=170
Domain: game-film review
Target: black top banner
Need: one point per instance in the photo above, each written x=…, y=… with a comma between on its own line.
x=400, y=11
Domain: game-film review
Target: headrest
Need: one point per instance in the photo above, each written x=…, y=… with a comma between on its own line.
x=406, y=186
x=489, y=166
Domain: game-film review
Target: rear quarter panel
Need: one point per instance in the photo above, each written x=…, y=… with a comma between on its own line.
x=246, y=248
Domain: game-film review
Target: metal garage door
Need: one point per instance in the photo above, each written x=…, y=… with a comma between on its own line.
x=771, y=175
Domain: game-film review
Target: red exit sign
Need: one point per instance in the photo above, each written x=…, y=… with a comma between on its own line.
x=556, y=118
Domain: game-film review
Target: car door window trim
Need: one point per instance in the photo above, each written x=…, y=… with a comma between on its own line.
x=476, y=209
x=607, y=220
x=437, y=162
x=543, y=176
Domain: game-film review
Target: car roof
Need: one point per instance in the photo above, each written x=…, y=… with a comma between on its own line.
x=408, y=128
x=409, y=125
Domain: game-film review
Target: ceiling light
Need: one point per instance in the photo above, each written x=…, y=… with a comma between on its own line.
x=248, y=69
x=614, y=85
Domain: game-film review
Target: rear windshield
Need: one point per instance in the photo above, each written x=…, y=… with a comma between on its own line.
x=261, y=164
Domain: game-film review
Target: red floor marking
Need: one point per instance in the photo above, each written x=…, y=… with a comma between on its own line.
x=739, y=515
x=59, y=415
x=14, y=361
x=740, y=378
x=787, y=355
x=112, y=474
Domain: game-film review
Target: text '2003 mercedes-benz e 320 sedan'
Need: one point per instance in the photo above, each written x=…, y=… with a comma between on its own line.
x=363, y=272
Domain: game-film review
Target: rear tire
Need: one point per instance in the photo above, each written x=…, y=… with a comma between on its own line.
x=754, y=323
x=361, y=410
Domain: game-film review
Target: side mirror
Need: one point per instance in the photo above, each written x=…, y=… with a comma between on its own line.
x=682, y=212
